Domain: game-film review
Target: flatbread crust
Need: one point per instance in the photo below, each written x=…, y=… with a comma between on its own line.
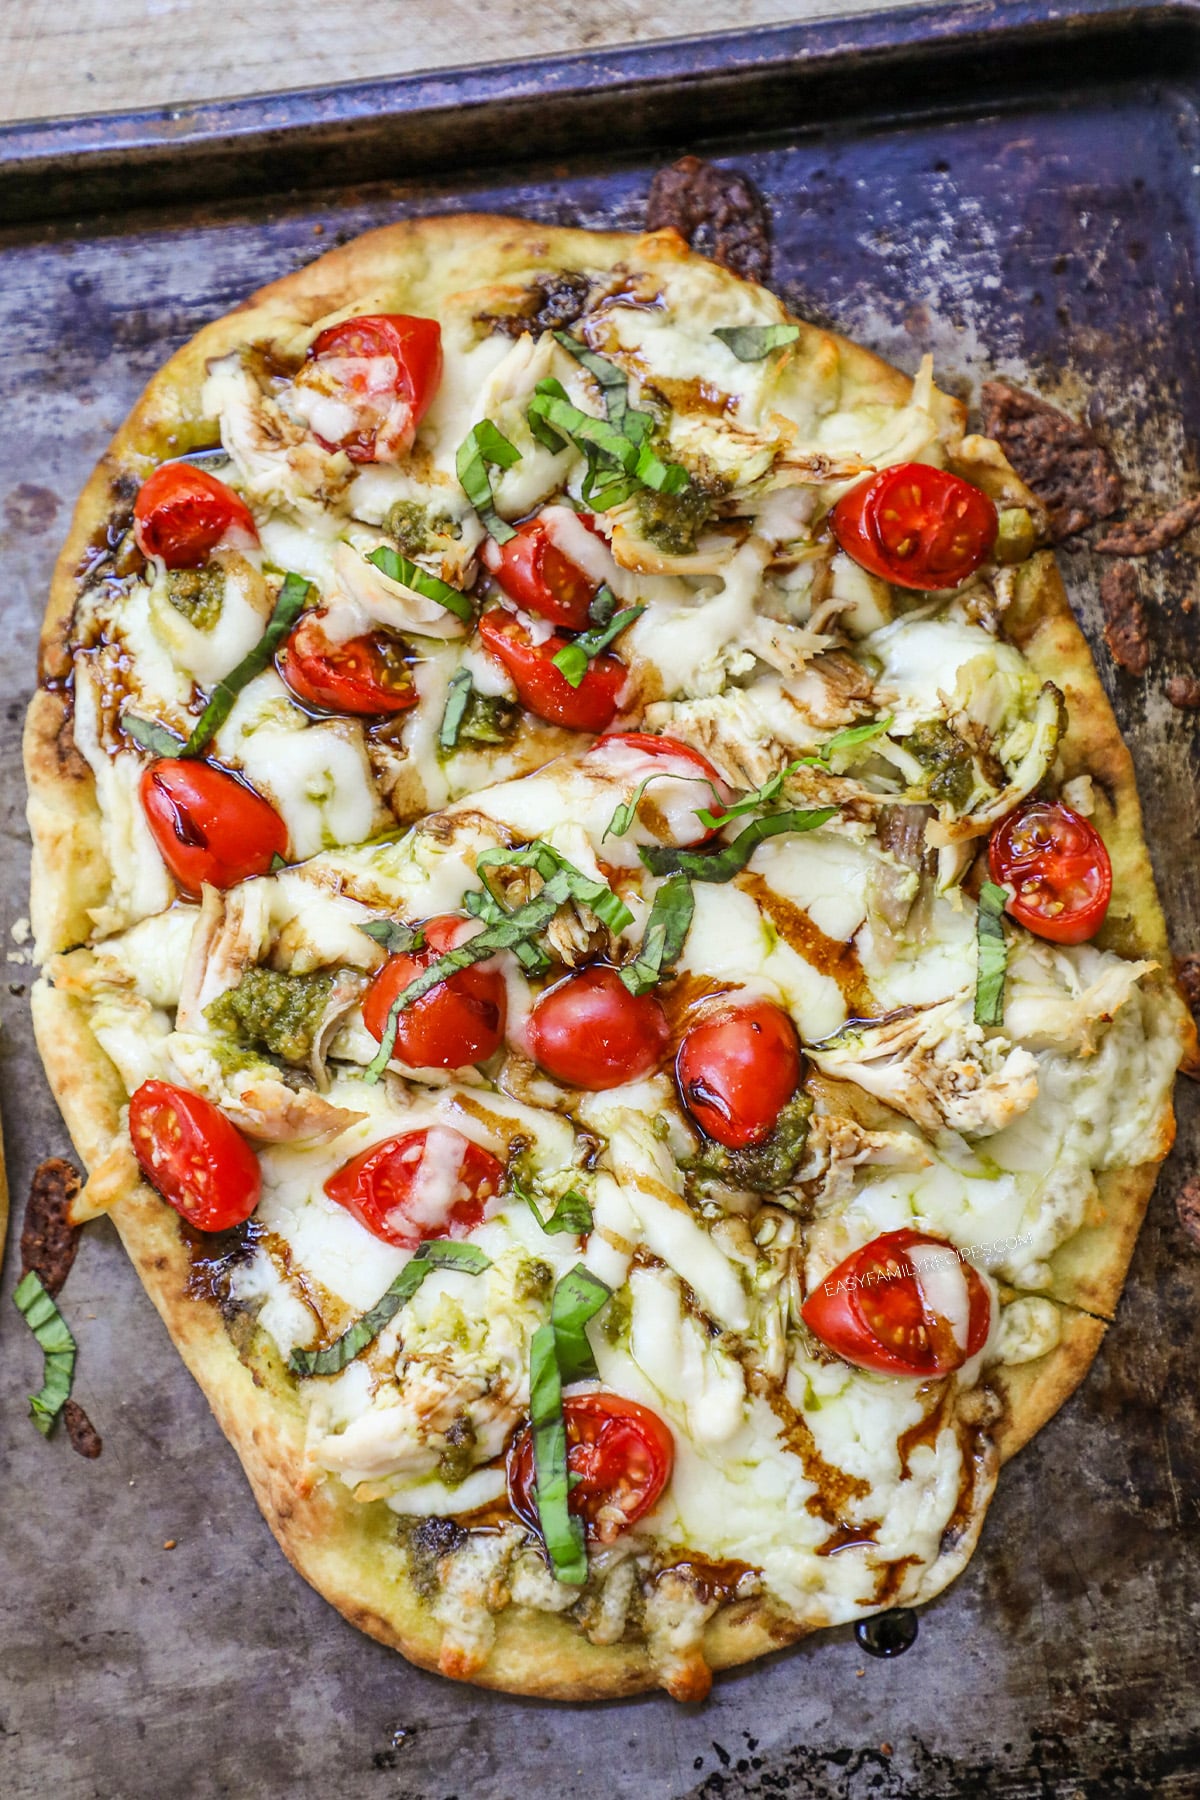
x=348, y=1551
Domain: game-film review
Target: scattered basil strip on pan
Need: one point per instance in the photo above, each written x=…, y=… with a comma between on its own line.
x=665, y=934
x=57, y=1345
x=608, y=907
x=560, y=1353
x=993, y=955
x=750, y=343
x=614, y=386
x=158, y=739
x=573, y=659
x=482, y=445
x=458, y=697
x=409, y=574
x=572, y=1213
x=287, y=610
x=393, y=935
x=729, y=860
x=438, y=1253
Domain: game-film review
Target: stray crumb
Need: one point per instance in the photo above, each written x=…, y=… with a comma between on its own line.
x=1187, y=1205
x=860, y=1673
x=170, y=1544
x=20, y=930
x=318, y=231
x=885, y=1749
x=83, y=1436
x=1184, y=691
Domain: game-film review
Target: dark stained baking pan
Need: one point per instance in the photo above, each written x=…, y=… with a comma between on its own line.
x=1015, y=187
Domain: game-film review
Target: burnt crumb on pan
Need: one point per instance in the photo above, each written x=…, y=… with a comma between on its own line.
x=1140, y=537
x=1070, y=472
x=1187, y=1206
x=550, y=303
x=1125, y=618
x=48, y=1239
x=1187, y=973
x=82, y=1433
x=719, y=211
x=1183, y=691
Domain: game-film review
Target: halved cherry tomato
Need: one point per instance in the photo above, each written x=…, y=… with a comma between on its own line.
x=885, y=1306
x=182, y=513
x=621, y=1455
x=209, y=826
x=591, y=1032
x=737, y=1071
x=193, y=1155
x=1059, y=870
x=364, y=675
x=678, y=803
x=423, y=1184
x=533, y=571
x=545, y=690
x=378, y=374
x=916, y=526
x=459, y=1021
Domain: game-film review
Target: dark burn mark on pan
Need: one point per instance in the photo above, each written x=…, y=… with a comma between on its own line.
x=719, y=211
x=1061, y=460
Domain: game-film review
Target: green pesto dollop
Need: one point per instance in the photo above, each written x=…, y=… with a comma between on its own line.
x=764, y=1168
x=947, y=761
x=672, y=522
x=488, y=719
x=458, y=1458
x=280, y=1012
x=199, y=594
x=417, y=531
x=534, y=1279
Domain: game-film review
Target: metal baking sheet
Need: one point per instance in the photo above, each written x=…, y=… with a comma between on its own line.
x=1016, y=190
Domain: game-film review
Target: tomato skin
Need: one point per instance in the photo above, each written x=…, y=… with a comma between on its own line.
x=458, y=1022
x=182, y=513
x=193, y=1156
x=358, y=676
x=737, y=1070
x=380, y=1187
x=209, y=826
x=533, y=571
x=872, y=1310
x=623, y=1453
x=1059, y=868
x=916, y=526
x=589, y=1031
x=646, y=743
x=391, y=368
x=545, y=690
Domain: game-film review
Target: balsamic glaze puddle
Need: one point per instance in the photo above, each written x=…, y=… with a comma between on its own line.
x=888, y=1633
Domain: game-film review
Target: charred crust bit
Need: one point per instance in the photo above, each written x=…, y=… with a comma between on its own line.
x=1139, y=537
x=83, y=1434
x=1069, y=471
x=48, y=1240
x=551, y=302
x=72, y=765
x=1183, y=691
x=1187, y=1207
x=1125, y=618
x=427, y=1541
x=719, y=211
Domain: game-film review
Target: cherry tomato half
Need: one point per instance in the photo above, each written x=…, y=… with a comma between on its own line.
x=1059, y=870
x=381, y=370
x=621, y=1454
x=364, y=675
x=182, y=513
x=904, y=1304
x=209, y=826
x=591, y=1032
x=679, y=802
x=460, y=1021
x=916, y=526
x=188, y=1150
x=737, y=1071
x=545, y=690
x=423, y=1184
x=533, y=571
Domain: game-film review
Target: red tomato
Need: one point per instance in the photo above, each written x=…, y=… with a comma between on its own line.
x=879, y=1308
x=621, y=1453
x=533, y=571
x=591, y=1032
x=545, y=690
x=916, y=526
x=364, y=675
x=197, y=1160
x=182, y=513
x=737, y=1070
x=423, y=1184
x=460, y=1021
x=679, y=809
x=209, y=826
x=385, y=369
x=1058, y=867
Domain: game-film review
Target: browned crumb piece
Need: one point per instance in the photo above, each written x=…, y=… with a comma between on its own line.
x=1187, y=973
x=1125, y=618
x=1187, y=1205
x=169, y=1544
x=1072, y=474
x=718, y=211
x=1138, y=537
x=1184, y=691
x=82, y=1433
x=48, y=1240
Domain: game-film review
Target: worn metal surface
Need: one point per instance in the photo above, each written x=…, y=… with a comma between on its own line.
x=1048, y=234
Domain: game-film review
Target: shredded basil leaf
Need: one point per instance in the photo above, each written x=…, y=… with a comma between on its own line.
x=278, y=862
x=626, y=812
x=729, y=860
x=749, y=803
x=482, y=445
x=577, y=1298
x=393, y=935
x=559, y=1354
x=572, y=1213
x=750, y=343
x=572, y=660
x=598, y=439
x=849, y=739
x=603, y=606
x=57, y=1345
x=665, y=934
x=437, y=1253
x=396, y=567
x=614, y=387
x=158, y=739
x=992, y=955
x=481, y=903
x=608, y=907
x=287, y=610
x=458, y=696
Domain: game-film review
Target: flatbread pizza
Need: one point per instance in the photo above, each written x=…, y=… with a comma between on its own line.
x=598, y=946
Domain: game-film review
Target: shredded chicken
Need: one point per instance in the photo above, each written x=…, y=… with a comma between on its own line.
x=837, y=1146
x=255, y=1096
x=279, y=462
x=365, y=598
